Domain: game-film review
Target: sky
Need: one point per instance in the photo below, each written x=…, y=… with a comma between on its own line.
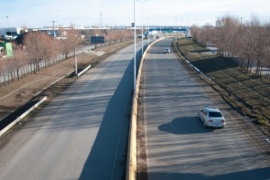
x=41, y=13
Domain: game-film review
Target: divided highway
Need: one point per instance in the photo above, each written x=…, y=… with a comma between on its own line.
x=177, y=145
x=82, y=134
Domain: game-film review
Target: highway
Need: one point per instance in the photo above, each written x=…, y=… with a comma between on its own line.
x=82, y=134
x=176, y=144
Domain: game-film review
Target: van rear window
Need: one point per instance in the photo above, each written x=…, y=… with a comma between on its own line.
x=215, y=114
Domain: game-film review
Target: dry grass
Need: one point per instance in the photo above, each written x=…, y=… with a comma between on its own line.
x=249, y=94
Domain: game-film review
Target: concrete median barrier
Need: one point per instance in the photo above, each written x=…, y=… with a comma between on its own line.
x=131, y=171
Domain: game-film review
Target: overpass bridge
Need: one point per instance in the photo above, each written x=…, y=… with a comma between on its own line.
x=168, y=29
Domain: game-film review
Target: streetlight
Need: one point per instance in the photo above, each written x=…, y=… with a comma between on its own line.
x=135, y=51
x=148, y=28
x=53, y=28
x=7, y=22
x=75, y=56
x=142, y=22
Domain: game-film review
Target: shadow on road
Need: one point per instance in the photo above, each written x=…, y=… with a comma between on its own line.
x=258, y=174
x=185, y=125
x=107, y=159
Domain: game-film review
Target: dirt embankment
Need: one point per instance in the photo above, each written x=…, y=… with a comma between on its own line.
x=19, y=93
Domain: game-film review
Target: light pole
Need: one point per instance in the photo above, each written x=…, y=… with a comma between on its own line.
x=135, y=51
x=75, y=56
x=53, y=28
x=7, y=22
x=148, y=28
x=148, y=35
x=142, y=22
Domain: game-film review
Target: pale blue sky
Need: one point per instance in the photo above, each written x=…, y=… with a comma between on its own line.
x=40, y=13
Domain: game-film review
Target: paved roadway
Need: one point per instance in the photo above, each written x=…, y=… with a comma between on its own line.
x=177, y=144
x=82, y=134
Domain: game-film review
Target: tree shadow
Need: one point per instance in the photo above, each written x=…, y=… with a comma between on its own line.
x=201, y=51
x=258, y=174
x=212, y=64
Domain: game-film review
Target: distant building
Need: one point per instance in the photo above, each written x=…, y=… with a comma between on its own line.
x=9, y=33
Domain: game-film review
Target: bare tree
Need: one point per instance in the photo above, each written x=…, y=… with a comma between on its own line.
x=221, y=35
x=38, y=47
x=20, y=58
x=10, y=64
x=72, y=38
x=266, y=59
x=205, y=35
x=261, y=45
x=120, y=35
x=195, y=31
x=3, y=72
x=248, y=42
x=231, y=29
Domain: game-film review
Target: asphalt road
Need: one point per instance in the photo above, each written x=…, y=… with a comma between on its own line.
x=177, y=144
x=82, y=134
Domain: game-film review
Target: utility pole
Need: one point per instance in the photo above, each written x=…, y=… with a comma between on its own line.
x=53, y=28
x=7, y=22
x=100, y=20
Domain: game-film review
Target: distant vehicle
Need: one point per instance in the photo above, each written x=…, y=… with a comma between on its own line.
x=153, y=33
x=211, y=117
x=141, y=36
x=9, y=37
x=166, y=50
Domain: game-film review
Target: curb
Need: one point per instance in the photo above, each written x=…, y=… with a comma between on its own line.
x=3, y=131
x=88, y=67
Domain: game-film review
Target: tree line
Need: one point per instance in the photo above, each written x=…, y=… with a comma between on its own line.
x=248, y=43
x=38, y=50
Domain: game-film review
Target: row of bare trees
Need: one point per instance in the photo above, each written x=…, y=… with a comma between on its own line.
x=248, y=43
x=38, y=49
x=112, y=35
